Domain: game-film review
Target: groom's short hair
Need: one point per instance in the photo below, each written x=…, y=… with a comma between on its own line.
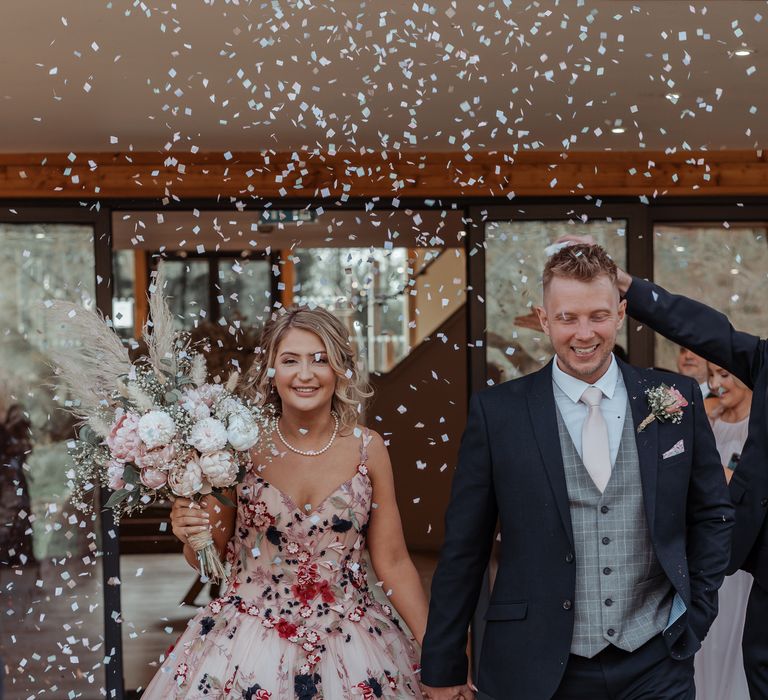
x=583, y=262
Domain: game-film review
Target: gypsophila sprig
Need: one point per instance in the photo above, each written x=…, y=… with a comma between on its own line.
x=158, y=428
x=666, y=404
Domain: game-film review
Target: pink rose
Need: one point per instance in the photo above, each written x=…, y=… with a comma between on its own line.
x=186, y=481
x=219, y=468
x=123, y=440
x=676, y=401
x=153, y=478
x=115, y=471
x=159, y=458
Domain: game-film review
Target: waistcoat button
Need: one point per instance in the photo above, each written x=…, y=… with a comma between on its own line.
x=606, y=540
x=567, y=604
x=610, y=631
x=607, y=570
x=569, y=557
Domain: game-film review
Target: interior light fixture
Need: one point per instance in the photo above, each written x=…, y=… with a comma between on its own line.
x=743, y=51
x=672, y=96
x=618, y=130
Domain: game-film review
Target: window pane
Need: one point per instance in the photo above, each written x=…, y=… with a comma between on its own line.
x=187, y=290
x=245, y=291
x=515, y=258
x=52, y=632
x=123, y=301
x=723, y=267
x=366, y=287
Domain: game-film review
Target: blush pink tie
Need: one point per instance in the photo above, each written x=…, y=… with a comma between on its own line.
x=595, y=452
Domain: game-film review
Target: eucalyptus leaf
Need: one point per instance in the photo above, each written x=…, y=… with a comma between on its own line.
x=117, y=497
x=131, y=475
x=173, y=396
x=87, y=435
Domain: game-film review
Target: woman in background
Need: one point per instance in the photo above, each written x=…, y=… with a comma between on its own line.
x=719, y=666
x=297, y=618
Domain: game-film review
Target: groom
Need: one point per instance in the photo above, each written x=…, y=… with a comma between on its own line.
x=615, y=531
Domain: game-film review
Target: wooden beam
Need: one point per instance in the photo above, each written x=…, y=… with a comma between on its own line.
x=287, y=276
x=313, y=175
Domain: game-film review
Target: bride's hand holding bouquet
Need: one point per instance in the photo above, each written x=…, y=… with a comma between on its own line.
x=155, y=428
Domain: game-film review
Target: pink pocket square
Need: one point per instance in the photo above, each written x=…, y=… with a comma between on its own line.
x=677, y=449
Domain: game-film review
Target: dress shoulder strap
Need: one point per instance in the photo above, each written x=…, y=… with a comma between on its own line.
x=365, y=440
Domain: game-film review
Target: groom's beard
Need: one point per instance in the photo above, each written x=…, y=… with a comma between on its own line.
x=582, y=371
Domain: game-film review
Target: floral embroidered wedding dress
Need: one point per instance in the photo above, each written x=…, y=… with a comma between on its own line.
x=298, y=620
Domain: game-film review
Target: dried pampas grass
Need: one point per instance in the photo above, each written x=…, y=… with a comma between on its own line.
x=232, y=381
x=99, y=426
x=140, y=398
x=161, y=338
x=91, y=370
x=199, y=370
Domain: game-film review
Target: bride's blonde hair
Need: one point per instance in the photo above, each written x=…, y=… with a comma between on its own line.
x=351, y=390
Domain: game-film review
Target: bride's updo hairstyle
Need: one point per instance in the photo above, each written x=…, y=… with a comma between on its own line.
x=351, y=390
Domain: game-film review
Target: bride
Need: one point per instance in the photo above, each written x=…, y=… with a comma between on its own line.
x=298, y=618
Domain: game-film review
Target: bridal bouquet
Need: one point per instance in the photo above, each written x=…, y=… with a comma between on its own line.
x=156, y=427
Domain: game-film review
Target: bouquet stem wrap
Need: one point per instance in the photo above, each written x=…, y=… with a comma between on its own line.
x=210, y=563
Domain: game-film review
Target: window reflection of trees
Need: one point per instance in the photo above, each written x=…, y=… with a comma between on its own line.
x=366, y=288
x=49, y=568
x=514, y=260
x=720, y=264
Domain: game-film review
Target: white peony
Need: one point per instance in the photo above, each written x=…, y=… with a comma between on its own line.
x=208, y=435
x=156, y=428
x=242, y=431
x=186, y=481
x=219, y=468
x=198, y=411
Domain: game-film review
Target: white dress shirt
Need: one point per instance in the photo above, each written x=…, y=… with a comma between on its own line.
x=574, y=413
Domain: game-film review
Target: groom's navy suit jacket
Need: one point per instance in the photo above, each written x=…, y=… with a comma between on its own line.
x=709, y=333
x=511, y=470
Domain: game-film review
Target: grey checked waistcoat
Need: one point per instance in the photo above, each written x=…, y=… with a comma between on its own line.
x=623, y=596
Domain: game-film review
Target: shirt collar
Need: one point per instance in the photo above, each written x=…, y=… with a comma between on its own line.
x=573, y=388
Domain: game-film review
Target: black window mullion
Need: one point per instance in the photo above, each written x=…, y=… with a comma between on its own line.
x=110, y=531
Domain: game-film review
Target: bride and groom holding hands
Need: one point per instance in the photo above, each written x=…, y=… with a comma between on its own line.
x=615, y=523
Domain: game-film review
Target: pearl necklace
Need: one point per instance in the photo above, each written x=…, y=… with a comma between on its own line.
x=309, y=453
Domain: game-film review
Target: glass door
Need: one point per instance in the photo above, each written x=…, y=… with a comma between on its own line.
x=722, y=265
x=506, y=259
x=58, y=634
